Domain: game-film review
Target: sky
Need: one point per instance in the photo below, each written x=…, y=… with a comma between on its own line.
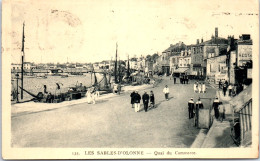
x=87, y=31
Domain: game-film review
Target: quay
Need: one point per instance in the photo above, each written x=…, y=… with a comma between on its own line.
x=111, y=122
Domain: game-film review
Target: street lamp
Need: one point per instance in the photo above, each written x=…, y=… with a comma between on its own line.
x=17, y=77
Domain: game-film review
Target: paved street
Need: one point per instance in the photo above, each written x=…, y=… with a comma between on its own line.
x=113, y=123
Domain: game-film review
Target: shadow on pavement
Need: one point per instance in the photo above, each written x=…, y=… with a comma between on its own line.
x=224, y=141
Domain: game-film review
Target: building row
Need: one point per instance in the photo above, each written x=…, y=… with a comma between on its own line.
x=215, y=59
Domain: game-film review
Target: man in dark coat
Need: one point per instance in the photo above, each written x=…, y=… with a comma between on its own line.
x=199, y=105
x=174, y=79
x=219, y=84
x=224, y=89
x=152, y=101
x=215, y=106
x=191, y=108
x=132, y=98
x=137, y=99
x=145, y=101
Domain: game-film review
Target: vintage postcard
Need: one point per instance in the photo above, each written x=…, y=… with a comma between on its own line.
x=130, y=79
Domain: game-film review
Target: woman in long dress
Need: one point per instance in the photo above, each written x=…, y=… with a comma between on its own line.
x=199, y=87
x=195, y=87
x=89, y=97
x=95, y=95
x=203, y=88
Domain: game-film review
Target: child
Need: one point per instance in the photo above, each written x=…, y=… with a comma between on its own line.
x=151, y=99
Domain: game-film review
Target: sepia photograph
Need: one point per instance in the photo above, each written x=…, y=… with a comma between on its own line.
x=130, y=79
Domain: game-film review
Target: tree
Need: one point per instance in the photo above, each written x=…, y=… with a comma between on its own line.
x=155, y=57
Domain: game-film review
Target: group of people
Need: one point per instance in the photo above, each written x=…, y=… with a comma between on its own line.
x=193, y=110
x=199, y=87
x=226, y=87
x=92, y=96
x=136, y=99
x=184, y=79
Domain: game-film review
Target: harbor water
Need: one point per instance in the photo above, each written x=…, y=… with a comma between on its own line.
x=35, y=85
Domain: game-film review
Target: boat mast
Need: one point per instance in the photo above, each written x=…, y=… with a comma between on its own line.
x=119, y=71
x=23, y=37
x=128, y=68
x=115, y=70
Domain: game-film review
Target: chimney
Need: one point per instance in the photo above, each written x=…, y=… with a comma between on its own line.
x=201, y=40
x=229, y=40
x=198, y=41
x=216, y=32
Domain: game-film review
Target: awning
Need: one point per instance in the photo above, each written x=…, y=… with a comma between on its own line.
x=180, y=70
x=241, y=98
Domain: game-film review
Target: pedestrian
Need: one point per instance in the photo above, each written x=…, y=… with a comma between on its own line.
x=174, y=79
x=224, y=89
x=190, y=108
x=152, y=100
x=95, y=96
x=198, y=106
x=115, y=88
x=199, y=87
x=137, y=99
x=166, y=92
x=89, y=97
x=187, y=80
x=119, y=88
x=203, y=88
x=230, y=90
x=215, y=107
x=195, y=87
x=220, y=84
x=226, y=82
x=132, y=98
x=221, y=111
x=152, y=82
x=145, y=98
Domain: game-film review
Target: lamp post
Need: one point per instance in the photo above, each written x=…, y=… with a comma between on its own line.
x=17, y=77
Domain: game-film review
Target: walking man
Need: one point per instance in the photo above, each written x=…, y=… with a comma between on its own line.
x=145, y=101
x=199, y=105
x=152, y=102
x=137, y=99
x=166, y=92
x=224, y=89
x=219, y=84
x=191, y=108
x=132, y=98
x=215, y=106
x=174, y=79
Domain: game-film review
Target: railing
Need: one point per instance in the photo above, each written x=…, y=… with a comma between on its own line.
x=245, y=117
x=245, y=122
